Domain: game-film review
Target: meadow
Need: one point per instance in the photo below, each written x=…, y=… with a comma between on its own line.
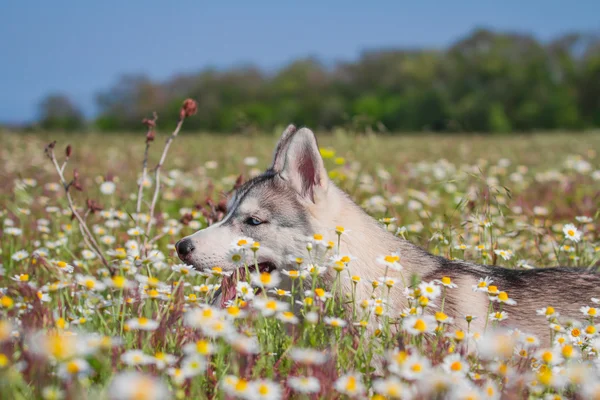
x=141, y=325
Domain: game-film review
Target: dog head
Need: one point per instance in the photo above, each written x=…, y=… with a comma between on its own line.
x=275, y=209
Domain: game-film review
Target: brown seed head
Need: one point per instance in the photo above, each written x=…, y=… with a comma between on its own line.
x=189, y=108
x=68, y=151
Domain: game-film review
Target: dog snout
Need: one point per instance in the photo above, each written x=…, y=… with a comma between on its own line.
x=184, y=248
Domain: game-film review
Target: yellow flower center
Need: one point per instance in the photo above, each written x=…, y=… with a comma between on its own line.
x=440, y=316
x=420, y=325
x=446, y=280
x=265, y=278
x=320, y=292
x=503, y=296
x=202, y=347
x=72, y=367
x=549, y=310
x=567, y=351
x=391, y=259
x=318, y=236
x=456, y=366
x=271, y=305
x=547, y=356
x=590, y=330
x=118, y=281
x=24, y=277
x=351, y=384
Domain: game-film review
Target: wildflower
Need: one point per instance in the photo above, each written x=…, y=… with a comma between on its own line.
x=234, y=386
x=161, y=360
x=335, y=322
x=142, y=323
x=317, y=240
x=136, y=357
x=89, y=282
x=136, y=231
x=482, y=285
x=503, y=298
x=242, y=243
x=548, y=312
x=244, y=290
x=197, y=317
x=136, y=386
x=350, y=384
x=264, y=389
x=430, y=290
x=455, y=365
x=305, y=385
x=269, y=307
x=201, y=347
x=107, y=187
x=293, y=274
x=266, y=279
x=446, y=282
x=280, y=292
x=415, y=367
x=20, y=255
x=308, y=356
x=184, y=269
x=88, y=254
x=572, y=233
x=75, y=368
x=52, y=393
x=243, y=344
x=63, y=266
x=505, y=254
x=548, y=356
x=442, y=318
x=391, y=261
x=237, y=256
x=21, y=278
x=390, y=387
x=387, y=281
x=217, y=328
x=589, y=311
x=417, y=325
x=193, y=365
x=498, y=316
x=288, y=317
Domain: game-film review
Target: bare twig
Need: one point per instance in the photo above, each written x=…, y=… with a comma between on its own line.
x=188, y=109
x=88, y=238
x=150, y=123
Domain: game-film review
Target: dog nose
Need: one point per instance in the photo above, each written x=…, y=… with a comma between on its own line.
x=184, y=247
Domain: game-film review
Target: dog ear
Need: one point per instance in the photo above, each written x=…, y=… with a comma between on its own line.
x=279, y=156
x=303, y=166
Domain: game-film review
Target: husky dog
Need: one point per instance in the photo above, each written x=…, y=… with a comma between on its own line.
x=294, y=199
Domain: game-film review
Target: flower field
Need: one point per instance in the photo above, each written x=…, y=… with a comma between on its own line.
x=96, y=304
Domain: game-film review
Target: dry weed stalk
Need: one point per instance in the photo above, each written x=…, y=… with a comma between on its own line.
x=88, y=237
x=188, y=109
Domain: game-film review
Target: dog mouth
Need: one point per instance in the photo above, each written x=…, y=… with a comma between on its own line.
x=228, y=289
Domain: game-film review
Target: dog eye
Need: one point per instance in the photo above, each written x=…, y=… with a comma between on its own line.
x=253, y=221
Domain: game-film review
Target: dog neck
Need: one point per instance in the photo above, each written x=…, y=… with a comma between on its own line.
x=366, y=239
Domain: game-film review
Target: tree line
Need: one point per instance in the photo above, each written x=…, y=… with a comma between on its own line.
x=485, y=82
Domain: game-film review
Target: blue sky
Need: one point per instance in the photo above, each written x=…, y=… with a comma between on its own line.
x=79, y=47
